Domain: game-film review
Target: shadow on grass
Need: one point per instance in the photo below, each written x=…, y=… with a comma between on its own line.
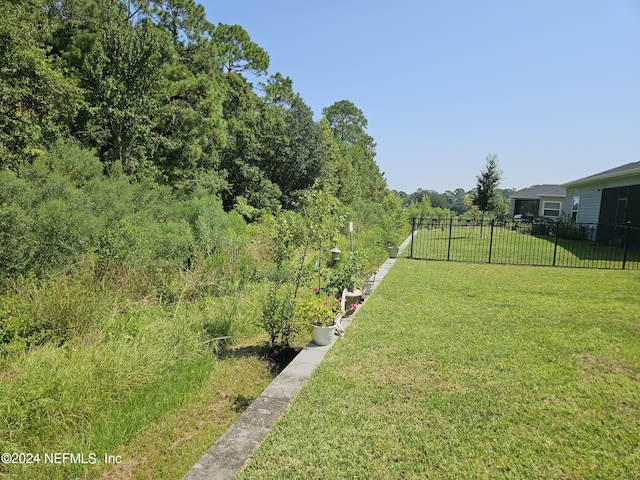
x=277, y=357
x=589, y=252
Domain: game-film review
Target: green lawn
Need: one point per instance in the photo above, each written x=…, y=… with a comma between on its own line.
x=456, y=370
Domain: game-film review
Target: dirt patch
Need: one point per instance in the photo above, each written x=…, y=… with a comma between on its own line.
x=607, y=364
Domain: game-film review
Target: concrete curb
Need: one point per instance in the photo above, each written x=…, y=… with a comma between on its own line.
x=229, y=453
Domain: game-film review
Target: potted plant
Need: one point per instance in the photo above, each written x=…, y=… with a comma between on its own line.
x=369, y=284
x=349, y=273
x=350, y=298
x=344, y=280
x=323, y=312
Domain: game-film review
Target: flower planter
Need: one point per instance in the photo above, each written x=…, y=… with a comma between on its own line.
x=323, y=335
x=350, y=301
x=368, y=287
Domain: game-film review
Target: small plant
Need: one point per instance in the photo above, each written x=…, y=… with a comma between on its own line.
x=293, y=236
x=320, y=310
x=278, y=320
x=350, y=273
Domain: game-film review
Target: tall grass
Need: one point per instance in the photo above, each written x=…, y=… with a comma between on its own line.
x=91, y=359
x=93, y=393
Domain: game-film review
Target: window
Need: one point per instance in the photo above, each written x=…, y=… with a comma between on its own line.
x=527, y=208
x=621, y=211
x=574, y=208
x=551, y=209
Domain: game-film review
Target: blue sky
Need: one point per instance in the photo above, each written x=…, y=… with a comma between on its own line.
x=550, y=86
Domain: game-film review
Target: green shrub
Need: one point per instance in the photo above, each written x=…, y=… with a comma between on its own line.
x=15, y=228
x=570, y=231
x=140, y=239
x=16, y=197
x=75, y=163
x=350, y=272
x=62, y=233
x=540, y=228
x=208, y=221
x=278, y=318
x=289, y=241
x=46, y=220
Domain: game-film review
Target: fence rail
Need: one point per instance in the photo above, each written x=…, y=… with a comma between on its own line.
x=526, y=243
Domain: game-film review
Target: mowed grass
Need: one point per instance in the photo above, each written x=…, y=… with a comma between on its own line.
x=455, y=370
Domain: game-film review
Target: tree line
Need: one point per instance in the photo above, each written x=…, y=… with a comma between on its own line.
x=117, y=117
x=424, y=202
x=158, y=92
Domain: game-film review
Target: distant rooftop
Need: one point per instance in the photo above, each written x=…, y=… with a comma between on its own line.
x=538, y=191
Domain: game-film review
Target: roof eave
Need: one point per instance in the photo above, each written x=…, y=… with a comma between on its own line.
x=598, y=178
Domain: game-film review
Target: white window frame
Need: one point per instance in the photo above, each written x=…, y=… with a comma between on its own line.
x=575, y=206
x=546, y=208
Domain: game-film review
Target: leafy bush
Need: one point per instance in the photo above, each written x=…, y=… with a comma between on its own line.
x=278, y=304
x=540, y=228
x=524, y=227
x=278, y=318
x=320, y=310
x=75, y=163
x=349, y=273
x=570, y=231
x=61, y=234
x=141, y=239
x=208, y=221
x=15, y=227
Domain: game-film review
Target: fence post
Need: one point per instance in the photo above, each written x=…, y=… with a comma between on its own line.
x=449, y=245
x=413, y=229
x=555, y=247
x=626, y=245
x=491, y=239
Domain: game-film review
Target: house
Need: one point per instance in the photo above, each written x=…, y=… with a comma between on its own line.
x=611, y=197
x=604, y=202
x=538, y=201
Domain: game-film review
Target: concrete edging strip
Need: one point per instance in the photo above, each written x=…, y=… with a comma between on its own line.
x=227, y=455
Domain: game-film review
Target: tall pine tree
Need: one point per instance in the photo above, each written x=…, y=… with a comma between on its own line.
x=486, y=195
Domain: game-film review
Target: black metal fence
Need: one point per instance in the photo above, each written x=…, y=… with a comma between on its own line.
x=517, y=242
